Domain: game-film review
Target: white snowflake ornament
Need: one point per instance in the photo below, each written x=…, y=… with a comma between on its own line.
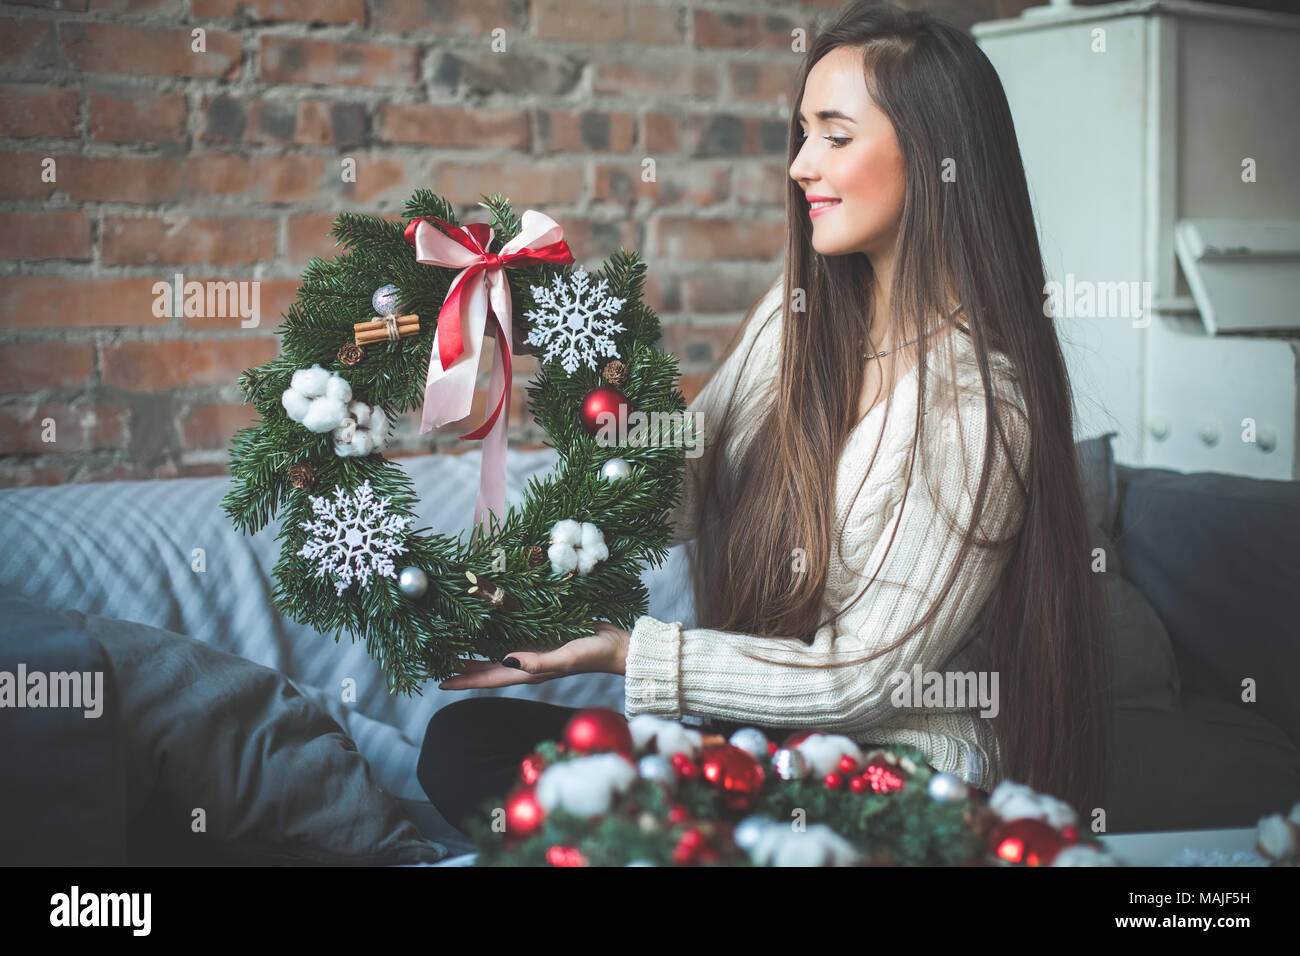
x=573, y=322
x=353, y=537
x=576, y=545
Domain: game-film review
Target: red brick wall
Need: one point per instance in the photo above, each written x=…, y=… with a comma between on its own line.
x=225, y=164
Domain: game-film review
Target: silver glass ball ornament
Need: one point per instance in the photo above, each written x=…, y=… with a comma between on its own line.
x=656, y=767
x=615, y=469
x=789, y=764
x=750, y=830
x=751, y=740
x=947, y=788
x=385, y=299
x=413, y=582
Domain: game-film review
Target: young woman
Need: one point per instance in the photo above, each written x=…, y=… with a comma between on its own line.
x=902, y=417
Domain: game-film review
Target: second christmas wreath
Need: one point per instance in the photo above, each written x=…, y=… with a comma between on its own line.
x=397, y=322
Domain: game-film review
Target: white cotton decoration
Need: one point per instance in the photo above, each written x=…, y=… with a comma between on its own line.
x=818, y=845
x=1277, y=837
x=364, y=430
x=317, y=398
x=1016, y=801
x=576, y=546
x=822, y=752
x=1083, y=855
x=668, y=736
x=585, y=786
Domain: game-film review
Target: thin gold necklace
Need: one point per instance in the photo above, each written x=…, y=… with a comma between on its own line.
x=872, y=355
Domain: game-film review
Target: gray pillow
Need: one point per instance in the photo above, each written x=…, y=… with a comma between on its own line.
x=1144, y=671
x=276, y=778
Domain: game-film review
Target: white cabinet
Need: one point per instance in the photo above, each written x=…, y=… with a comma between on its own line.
x=1161, y=141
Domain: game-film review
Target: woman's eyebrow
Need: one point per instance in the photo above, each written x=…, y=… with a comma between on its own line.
x=827, y=114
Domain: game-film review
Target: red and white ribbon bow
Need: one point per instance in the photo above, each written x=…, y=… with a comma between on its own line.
x=462, y=323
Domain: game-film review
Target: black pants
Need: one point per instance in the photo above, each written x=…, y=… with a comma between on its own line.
x=472, y=748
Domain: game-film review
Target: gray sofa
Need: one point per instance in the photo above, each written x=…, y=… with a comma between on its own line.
x=209, y=686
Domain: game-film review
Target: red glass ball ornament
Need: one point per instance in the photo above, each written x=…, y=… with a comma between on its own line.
x=772, y=747
x=735, y=772
x=601, y=400
x=1031, y=842
x=531, y=767
x=832, y=780
x=524, y=815
x=683, y=855
x=848, y=764
x=565, y=856
x=598, y=730
x=884, y=777
x=678, y=814
x=859, y=784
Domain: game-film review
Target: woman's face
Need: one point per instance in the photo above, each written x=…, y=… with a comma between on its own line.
x=854, y=158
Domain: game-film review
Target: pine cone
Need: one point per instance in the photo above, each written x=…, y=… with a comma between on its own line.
x=351, y=353
x=615, y=373
x=536, y=556
x=303, y=476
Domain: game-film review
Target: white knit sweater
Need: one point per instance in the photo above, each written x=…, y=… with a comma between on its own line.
x=673, y=671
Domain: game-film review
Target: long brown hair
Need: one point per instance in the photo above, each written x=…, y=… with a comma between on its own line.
x=1043, y=626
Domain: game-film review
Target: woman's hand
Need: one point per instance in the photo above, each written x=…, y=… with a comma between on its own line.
x=604, y=652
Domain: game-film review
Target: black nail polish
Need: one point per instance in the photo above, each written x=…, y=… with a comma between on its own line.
x=511, y=662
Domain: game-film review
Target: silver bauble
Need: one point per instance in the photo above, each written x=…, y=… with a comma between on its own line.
x=656, y=767
x=789, y=764
x=413, y=582
x=947, y=788
x=749, y=831
x=615, y=469
x=751, y=740
x=385, y=299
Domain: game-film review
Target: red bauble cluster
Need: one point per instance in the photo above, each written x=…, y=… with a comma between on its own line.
x=693, y=847
x=565, y=856
x=531, y=767
x=602, y=399
x=598, y=730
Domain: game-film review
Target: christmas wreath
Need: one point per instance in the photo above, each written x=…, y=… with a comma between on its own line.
x=652, y=792
x=424, y=293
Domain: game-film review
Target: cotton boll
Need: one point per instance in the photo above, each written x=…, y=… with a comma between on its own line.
x=567, y=532
x=1016, y=801
x=1081, y=855
x=1276, y=837
x=819, y=845
x=363, y=443
x=295, y=403
x=337, y=388
x=592, y=539
x=585, y=786
x=564, y=558
x=325, y=415
x=824, y=751
x=668, y=736
x=361, y=412
x=310, y=382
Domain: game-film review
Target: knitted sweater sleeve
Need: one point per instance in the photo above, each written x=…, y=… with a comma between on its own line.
x=750, y=363
x=673, y=671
